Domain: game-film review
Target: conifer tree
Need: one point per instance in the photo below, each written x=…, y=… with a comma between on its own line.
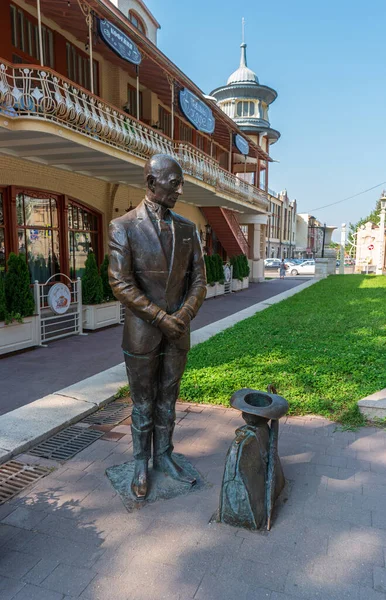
x=18, y=294
x=92, y=288
x=108, y=295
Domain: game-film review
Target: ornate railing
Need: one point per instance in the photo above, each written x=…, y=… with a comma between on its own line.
x=42, y=94
x=236, y=229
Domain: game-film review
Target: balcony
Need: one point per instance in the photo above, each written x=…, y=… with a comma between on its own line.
x=97, y=139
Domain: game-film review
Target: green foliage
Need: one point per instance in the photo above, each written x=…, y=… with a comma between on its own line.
x=122, y=392
x=240, y=266
x=92, y=288
x=323, y=348
x=108, y=295
x=18, y=294
x=3, y=308
x=210, y=275
x=218, y=268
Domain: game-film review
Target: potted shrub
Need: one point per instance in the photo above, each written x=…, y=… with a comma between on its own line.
x=19, y=326
x=219, y=274
x=100, y=309
x=237, y=277
x=210, y=280
x=245, y=270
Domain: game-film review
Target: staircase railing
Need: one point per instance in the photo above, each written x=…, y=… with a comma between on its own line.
x=234, y=225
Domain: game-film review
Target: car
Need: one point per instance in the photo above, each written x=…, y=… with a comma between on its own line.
x=305, y=268
x=271, y=264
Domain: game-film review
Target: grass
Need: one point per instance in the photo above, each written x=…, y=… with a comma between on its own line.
x=324, y=349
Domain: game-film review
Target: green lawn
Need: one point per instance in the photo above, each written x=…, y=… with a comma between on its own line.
x=324, y=349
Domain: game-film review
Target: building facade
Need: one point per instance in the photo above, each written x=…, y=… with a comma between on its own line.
x=86, y=98
x=281, y=228
x=309, y=236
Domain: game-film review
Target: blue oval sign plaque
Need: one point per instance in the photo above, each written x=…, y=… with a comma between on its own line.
x=196, y=111
x=119, y=42
x=241, y=144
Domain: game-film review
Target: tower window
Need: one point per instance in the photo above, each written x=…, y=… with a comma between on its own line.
x=137, y=22
x=245, y=108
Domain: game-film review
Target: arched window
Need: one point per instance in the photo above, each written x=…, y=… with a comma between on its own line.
x=136, y=20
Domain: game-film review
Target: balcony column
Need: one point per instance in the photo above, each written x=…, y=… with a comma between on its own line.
x=256, y=227
x=87, y=13
x=40, y=33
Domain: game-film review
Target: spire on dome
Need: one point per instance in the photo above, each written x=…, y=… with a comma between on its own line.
x=243, y=74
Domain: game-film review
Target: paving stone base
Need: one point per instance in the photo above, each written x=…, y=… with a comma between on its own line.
x=161, y=487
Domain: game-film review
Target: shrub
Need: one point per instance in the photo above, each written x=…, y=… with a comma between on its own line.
x=92, y=288
x=108, y=295
x=3, y=310
x=219, y=269
x=240, y=266
x=245, y=270
x=235, y=262
x=19, y=301
x=209, y=269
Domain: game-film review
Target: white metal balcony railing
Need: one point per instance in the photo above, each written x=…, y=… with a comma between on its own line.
x=43, y=94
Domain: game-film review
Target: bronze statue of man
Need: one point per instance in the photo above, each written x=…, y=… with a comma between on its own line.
x=157, y=271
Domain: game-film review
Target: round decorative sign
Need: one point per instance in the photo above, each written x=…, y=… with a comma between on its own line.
x=59, y=298
x=371, y=247
x=227, y=273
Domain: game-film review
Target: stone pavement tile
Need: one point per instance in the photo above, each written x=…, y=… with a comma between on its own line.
x=19, y=541
x=9, y=587
x=368, y=535
x=343, y=485
x=7, y=532
x=339, y=461
x=6, y=509
x=368, y=593
x=370, y=478
x=65, y=551
x=213, y=588
x=32, y=592
x=344, y=547
x=69, y=580
x=380, y=580
x=40, y=571
x=70, y=529
x=126, y=429
x=16, y=564
x=358, y=465
x=272, y=576
x=24, y=518
x=305, y=585
x=67, y=475
x=379, y=519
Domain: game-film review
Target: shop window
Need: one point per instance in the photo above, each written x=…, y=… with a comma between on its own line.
x=164, y=120
x=245, y=108
x=131, y=104
x=2, y=234
x=136, y=20
x=78, y=68
x=38, y=234
x=25, y=37
x=82, y=237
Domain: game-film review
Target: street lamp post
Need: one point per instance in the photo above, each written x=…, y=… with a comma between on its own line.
x=342, y=248
x=381, y=251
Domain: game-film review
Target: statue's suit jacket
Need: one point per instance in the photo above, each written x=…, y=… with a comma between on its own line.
x=140, y=278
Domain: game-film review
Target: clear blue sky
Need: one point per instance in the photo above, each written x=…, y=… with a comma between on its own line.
x=327, y=60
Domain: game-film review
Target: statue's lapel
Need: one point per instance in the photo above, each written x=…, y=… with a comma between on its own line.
x=153, y=246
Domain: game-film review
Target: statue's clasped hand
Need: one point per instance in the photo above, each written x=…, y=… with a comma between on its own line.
x=172, y=326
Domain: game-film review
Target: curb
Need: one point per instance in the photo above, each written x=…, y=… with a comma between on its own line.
x=23, y=428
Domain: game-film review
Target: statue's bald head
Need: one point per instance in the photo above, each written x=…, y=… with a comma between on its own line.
x=164, y=180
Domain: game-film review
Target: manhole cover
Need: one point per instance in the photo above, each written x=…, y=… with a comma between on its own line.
x=16, y=476
x=111, y=414
x=66, y=443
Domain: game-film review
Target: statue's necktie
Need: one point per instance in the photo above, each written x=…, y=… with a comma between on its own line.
x=166, y=238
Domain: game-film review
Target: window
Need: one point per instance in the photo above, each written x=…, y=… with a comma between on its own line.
x=131, y=105
x=165, y=120
x=2, y=234
x=25, y=37
x=82, y=237
x=245, y=108
x=185, y=133
x=78, y=68
x=137, y=22
x=200, y=142
x=38, y=233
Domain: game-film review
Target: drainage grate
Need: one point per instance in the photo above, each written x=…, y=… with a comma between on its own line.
x=16, y=476
x=66, y=443
x=111, y=414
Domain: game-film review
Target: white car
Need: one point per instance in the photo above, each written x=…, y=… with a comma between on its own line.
x=305, y=268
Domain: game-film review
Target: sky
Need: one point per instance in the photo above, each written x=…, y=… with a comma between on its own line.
x=326, y=60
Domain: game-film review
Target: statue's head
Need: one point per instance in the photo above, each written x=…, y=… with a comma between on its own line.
x=164, y=180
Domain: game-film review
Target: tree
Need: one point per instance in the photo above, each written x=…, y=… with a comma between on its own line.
x=18, y=295
x=92, y=288
x=108, y=295
x=209, y=269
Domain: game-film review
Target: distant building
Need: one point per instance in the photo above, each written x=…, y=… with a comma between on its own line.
x=281, y=230
x=309, y=236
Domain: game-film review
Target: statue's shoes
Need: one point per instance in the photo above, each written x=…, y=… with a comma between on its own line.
x=167, y=465
x=139, y=482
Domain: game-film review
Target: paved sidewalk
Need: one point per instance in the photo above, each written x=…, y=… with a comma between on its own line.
x=27, y=376
x=70, y=536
